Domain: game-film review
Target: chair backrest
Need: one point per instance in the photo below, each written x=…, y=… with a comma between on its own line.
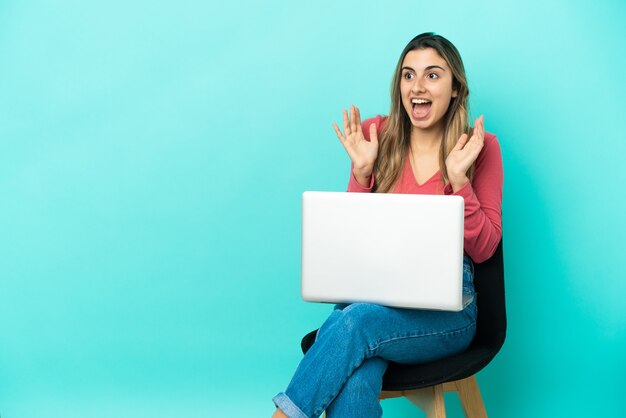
x=489, y=284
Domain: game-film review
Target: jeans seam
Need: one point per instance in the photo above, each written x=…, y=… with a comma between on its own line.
x=379, y=343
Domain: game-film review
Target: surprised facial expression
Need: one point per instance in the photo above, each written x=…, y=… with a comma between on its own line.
x=426, y=88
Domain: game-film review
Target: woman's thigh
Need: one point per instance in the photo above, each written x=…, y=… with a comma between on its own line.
x=409, y=335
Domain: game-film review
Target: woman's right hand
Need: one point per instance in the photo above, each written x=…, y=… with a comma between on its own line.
x=362, y=152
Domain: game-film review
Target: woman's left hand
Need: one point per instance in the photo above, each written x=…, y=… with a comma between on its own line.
x=464, y=153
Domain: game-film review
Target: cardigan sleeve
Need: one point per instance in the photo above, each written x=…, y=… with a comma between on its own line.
x=483, y=203
x=353, y=185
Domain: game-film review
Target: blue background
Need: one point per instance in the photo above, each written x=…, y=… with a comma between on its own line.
x=152, y=160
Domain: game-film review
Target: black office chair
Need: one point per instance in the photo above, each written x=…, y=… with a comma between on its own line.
x=425, y=384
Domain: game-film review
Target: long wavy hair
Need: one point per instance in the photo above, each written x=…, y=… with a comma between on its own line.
x=396, y=135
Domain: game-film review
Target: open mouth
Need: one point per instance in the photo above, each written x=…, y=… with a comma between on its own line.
x=421, y=108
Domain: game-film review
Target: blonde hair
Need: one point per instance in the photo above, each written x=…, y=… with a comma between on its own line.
x=396, y=135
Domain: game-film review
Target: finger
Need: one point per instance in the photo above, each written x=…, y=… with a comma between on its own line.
x=352, y=119
x=359, y=129
x=475, y=130
x=373, y=134
x=346, y=124
x=477, y=141
x=338, y=132
x=478, y=136
x=480, y=127
x=460, y=143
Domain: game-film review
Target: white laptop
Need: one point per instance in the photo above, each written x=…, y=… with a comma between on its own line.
x=401, y=250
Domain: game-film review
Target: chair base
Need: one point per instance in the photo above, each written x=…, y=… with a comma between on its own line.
x=430, y=399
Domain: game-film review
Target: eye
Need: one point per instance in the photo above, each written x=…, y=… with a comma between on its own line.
x=407, y=76
x=432, y=76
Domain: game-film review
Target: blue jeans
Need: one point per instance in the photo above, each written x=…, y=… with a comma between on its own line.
x=342, y=371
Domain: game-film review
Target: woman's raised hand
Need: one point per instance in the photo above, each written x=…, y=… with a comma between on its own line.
x=362, y=152
x=464, y=154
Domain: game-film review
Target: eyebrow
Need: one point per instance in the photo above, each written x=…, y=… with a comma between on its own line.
x=430, y=67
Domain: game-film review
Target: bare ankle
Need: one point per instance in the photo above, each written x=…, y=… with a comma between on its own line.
x=279, y=414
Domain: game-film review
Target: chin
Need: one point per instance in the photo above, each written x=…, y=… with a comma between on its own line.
x=422, y=124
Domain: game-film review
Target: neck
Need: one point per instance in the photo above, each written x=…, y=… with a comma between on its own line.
x=426, y=140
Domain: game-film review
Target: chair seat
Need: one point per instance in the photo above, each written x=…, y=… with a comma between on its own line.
x=461, y=366
x=408, y=377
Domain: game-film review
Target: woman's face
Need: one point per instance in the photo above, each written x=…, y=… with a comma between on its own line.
x=426, y=88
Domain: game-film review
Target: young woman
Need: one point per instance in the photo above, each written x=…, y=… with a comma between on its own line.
x=425, y=146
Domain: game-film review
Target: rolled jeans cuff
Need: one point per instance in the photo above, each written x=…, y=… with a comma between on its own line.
x=286, y=405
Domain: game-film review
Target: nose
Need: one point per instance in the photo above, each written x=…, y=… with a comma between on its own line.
x=418, y=85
